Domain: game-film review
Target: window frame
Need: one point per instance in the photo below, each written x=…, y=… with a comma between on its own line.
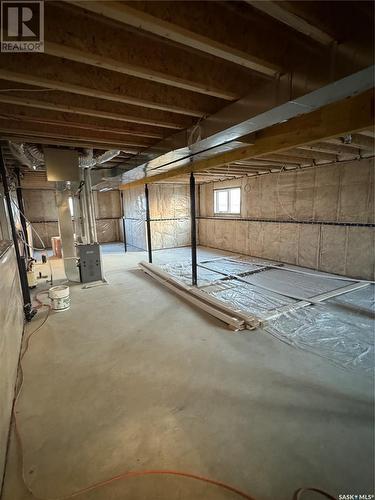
x=228, y=190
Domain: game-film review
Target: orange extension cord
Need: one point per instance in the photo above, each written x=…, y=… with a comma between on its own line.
x=129, y=474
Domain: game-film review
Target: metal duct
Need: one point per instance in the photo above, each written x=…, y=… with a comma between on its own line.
x=32, y=155
x=28, y=154
x=88, y=159
x=231, y=127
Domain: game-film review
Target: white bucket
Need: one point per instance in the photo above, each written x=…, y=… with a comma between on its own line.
x=60, y=298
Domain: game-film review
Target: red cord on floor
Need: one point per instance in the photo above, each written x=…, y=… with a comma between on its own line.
x=129, y=474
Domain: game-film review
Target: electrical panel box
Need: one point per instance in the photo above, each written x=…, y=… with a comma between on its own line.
x=90, y=263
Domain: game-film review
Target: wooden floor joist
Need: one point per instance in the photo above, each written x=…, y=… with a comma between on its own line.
x=131, y=16
x=340, y=118
x=69, y=106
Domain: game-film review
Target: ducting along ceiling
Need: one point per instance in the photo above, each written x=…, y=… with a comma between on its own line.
x=32, y=155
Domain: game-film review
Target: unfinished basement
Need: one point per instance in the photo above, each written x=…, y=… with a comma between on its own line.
x=187, y=250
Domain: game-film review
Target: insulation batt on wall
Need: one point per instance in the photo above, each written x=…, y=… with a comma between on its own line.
x=41, y=209
x=169, y=214
x=11, y=323
x=287, y=213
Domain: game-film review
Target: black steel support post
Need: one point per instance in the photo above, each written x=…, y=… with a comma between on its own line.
x=27, y=307
x=22, y=211
x=193, y=231
x=123, y=222
x=148, y=225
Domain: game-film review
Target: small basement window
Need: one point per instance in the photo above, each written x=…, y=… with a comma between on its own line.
x=227, y=201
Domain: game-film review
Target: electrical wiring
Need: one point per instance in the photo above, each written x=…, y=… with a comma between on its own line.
x=298, y=494
x=37, y=234
x=29, y=223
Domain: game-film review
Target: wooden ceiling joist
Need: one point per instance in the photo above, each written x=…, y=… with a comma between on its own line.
x=316, y=155
x=22, y=114
x=284, y=157
x=340, y=118
x=80, y=56
x=68, y=76
x=138, y=54
x=121, y=12
x=69, y=103
x=362, y=141
x=73, y=143
x=69, y=132
x=327, y=147
x=279, y=12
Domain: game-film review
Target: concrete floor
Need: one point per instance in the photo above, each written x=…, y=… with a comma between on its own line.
x=133, y=378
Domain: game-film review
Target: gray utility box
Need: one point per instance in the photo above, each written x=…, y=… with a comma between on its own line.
x=90, y=263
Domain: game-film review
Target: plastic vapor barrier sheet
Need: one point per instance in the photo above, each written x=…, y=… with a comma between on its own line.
x=340, y=328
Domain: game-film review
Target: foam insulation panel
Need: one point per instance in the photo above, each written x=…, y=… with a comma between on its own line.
x=340, y=193
x=11, y=321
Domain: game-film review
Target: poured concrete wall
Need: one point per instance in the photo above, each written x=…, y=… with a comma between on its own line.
x=169, y=214
x=304, y=217
x=11, y=326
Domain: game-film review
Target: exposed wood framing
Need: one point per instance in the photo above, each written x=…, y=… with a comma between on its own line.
x=314, y=300
x=280, y=13
x=68, y=103
x=69, y=132
x=129, y=74
x=339, y=118
x=236, y=320
x=56, y=118
x=92, y=84
x=67, y=142
x=138, y=19
x=138, y=54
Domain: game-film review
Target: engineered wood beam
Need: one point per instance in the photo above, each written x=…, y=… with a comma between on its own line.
x=138, y=54
x=68, y=76
x=347, y=116
x=280, y=13
x=87, y=106
x=49, y=117
x=122, y=12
